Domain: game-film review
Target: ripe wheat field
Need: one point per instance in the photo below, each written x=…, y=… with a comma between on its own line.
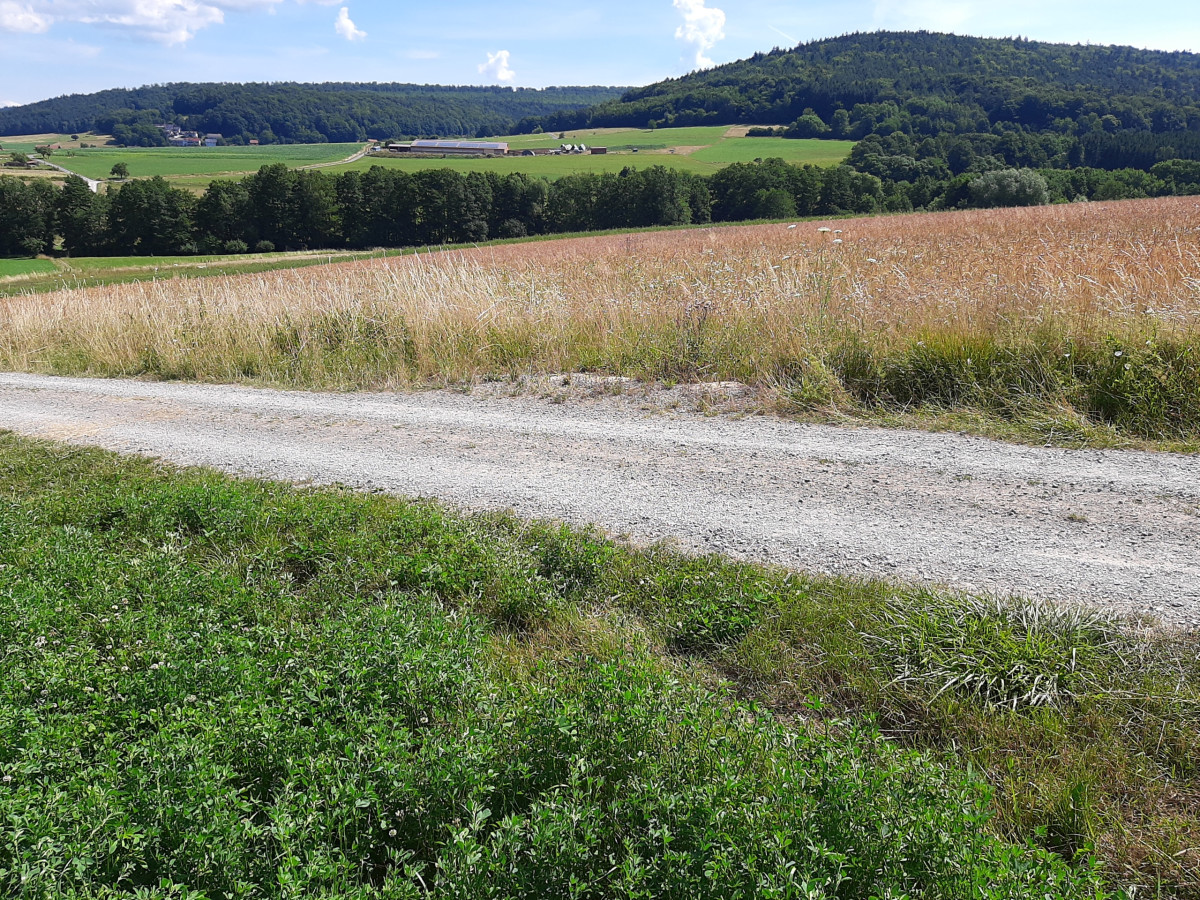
x=1086, y=312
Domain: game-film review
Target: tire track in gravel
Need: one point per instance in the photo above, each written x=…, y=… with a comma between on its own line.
x=1116, y=529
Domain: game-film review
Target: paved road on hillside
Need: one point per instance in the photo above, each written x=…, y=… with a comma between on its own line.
x=1116, y=529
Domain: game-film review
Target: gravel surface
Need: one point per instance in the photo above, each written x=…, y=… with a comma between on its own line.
x=1116, y=529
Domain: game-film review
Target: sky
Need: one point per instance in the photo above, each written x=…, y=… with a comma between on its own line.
x=54, y=47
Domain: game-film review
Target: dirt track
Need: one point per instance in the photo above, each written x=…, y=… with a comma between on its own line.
x=1116, y=529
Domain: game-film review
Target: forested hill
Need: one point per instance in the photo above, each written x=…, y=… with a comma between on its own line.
x=298, y=113
x=923, y=83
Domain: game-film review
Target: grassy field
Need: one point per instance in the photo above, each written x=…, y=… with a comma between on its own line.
x=220, y=688
x=27, y=143
x=701, y=150
x=13, y=267
x=26, y=276
x=1092, y=339
x=618, y=139
x=718, y=143
x=539, y=166
x=145, y=162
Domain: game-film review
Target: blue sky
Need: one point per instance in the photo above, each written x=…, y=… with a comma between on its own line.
x=52, y=47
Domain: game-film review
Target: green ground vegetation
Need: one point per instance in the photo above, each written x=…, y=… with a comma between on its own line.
x=700, y=150
x=620, y=139
x=37, y=276
x=27, y=143
x=799, y=152
x=551, y=167
x=146, y=162
x=13, y=267
x=229, y=688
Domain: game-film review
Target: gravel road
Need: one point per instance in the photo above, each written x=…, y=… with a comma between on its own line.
x=1120, y=530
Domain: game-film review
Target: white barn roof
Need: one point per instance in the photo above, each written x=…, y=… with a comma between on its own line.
x=459, y=145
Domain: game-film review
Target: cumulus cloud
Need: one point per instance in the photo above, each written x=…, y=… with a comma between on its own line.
x=22, y=17
x=345, y=27
x=497, y=67
x=702, y=27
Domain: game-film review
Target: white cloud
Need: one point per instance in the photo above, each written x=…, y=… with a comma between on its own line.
x=497, y=67
x=22, y=17
x=701, y=26
x=4, y=103
x=345, y=27
x=168, y=21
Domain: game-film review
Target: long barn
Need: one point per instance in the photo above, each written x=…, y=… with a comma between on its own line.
x=453, y=148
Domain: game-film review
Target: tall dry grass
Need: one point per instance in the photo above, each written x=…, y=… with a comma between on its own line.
x=1093, y=307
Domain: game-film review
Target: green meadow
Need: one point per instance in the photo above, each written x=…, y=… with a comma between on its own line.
x=13, y=267
x=226, y=688
x=146, y=162
x=702, y=150
x=537, y=166
x=27, y=143
x=39, y=275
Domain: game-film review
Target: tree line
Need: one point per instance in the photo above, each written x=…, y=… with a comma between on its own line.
x=279, y=208
x=296, y=113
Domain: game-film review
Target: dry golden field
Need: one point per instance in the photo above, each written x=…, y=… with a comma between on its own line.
x=1089, y=309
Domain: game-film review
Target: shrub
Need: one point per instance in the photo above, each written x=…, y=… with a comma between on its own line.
x=1009, y=187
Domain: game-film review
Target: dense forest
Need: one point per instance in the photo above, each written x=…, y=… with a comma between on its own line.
x=286, y=209
x=926, y=84
x=296, y=113
x=1102, y=106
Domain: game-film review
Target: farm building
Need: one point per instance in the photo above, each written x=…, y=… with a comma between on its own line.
x=453, y=148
